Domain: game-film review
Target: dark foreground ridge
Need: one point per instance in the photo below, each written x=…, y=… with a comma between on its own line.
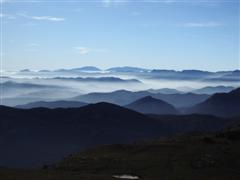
x=199, y=156
x=42, y=136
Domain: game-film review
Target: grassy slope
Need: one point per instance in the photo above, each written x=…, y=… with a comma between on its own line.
x=187, y=157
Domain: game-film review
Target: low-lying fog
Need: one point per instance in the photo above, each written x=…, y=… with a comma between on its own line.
x=33, y=86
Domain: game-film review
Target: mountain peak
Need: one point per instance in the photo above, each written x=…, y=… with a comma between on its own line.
x=25, y=70
x=220, y=104
x=150, y=105
x=87, y=68
x=149, y=99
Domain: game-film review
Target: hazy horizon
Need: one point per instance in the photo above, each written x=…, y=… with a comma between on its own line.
x=109, y=67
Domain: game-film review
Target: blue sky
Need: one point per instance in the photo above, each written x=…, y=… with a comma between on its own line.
x=166, y=34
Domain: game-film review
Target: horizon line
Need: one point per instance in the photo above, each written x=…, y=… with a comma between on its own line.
x=105, y=69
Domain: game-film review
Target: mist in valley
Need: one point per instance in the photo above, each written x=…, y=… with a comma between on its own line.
x=24, y=87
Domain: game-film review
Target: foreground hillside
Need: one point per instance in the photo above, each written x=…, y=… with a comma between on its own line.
x=185, y=157
x=42, y=135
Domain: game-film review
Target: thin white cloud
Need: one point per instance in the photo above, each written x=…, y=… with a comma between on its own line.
x=48, y=18
x=202, y=24
x=42, y=18
x=85, y=50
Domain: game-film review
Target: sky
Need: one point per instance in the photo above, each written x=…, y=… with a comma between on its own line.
x=156, y=34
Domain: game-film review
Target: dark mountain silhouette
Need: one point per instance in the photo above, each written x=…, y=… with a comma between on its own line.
x=220, y=104
x=41, y=135
x=80, y=69
x=44, y=71
x=120, y=97
x=25, y=71
x=123, y=97
x=213, y=90
x=194, y=122
x=149, y=105
x=182, y=100
x=52, y=104
x=163, y=71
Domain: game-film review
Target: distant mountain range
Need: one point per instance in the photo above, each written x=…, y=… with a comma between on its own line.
x=25, y=70
x=182, y=74
x=127, y=69
x=99, y=79
x=87, y=68
x=229, y=76
x=150, y=105
x=205, y=90
x=220, y=104
x=81, y=69
x=213, y=90
x=52, y=104
x=123, y=97
x=156, y=73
